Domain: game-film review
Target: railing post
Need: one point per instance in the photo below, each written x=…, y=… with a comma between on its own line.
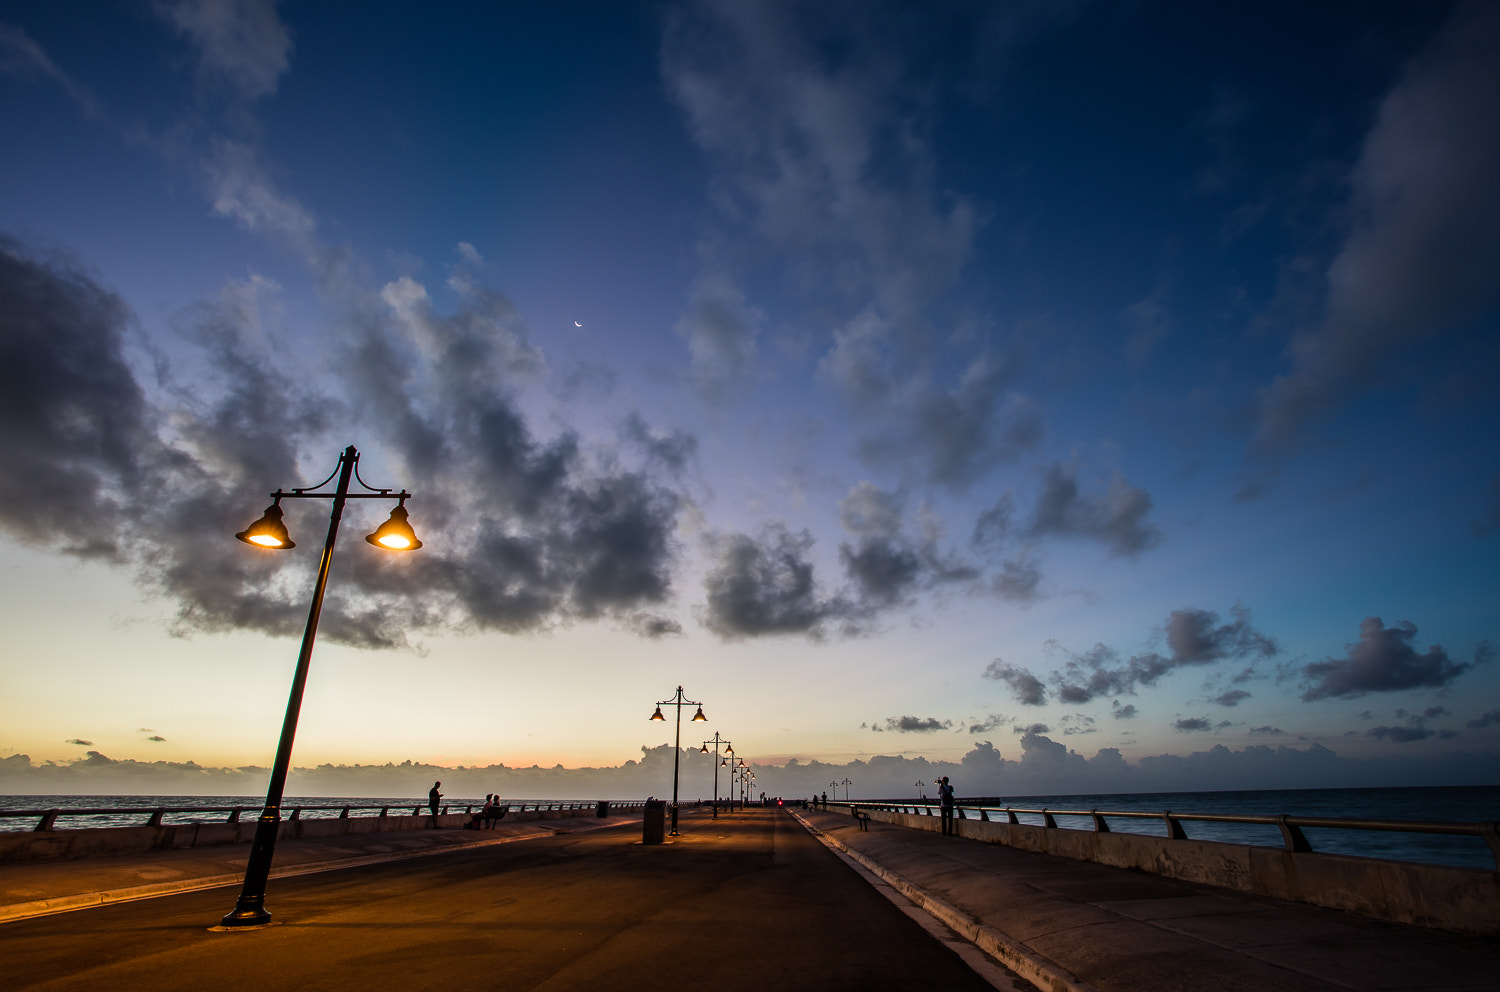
x=48, y=818
x=984, y=815
x=155, y=820
x=1491, y=834
x=1174, y=829
x=383, y=811
x=1010, y=816
x=1292, y=836
x=296, y=815
x=344, y=813
x=1047, y=819
x=1100, y=827
x=234, y=816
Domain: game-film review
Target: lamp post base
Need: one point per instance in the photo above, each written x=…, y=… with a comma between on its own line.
x=251, y=914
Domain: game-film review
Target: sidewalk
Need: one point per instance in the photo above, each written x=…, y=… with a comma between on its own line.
x=1070, y=925
x=46, y=887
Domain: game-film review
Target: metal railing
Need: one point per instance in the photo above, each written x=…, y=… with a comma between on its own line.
x=47, y=818
x=1292, y=827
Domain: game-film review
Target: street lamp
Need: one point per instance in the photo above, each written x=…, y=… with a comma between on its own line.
x=716, y=742
x=846, y=783
x=920, y=793
x=679, y=700
x=269, y=532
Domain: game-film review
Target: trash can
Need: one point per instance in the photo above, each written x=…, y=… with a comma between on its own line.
x=603, y=809
x=654, y=824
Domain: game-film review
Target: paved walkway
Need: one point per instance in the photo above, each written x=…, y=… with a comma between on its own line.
x=1066, y=924
x=38, y=889
x=1063, y=925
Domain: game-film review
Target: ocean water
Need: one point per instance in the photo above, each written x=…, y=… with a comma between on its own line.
x=250, y=808
x=1434, y=804
x=1431, y=804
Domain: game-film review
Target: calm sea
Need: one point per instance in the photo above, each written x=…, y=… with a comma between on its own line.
x=1438, y=803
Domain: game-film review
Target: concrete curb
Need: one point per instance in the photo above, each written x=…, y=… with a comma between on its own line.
x=1039, y=971
x=87, y=900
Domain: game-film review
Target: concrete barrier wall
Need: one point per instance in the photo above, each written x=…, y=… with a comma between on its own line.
x=1462, y=900
x=63, y=845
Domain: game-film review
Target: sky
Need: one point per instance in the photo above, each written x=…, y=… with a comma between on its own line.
x=1066, y=396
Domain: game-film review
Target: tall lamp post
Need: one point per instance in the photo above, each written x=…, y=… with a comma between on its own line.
x=846, y=783
x=716, y=742
x=920, y=793
x=679, y=701
x=269, y=532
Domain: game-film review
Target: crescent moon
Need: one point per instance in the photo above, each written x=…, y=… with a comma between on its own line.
x=577, y=324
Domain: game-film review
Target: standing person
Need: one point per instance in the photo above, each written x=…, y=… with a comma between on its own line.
x=945, y=801
x=433, y=798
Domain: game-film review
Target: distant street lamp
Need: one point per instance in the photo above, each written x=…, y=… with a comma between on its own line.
x=920, y=793
x=269, y=532
x=846, y=783
x=679, y=701
x=716, y=742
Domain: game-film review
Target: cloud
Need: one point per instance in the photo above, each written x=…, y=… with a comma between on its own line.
x=990, y=723
x=1382, y=660
x=22, y=57
x=884, y=565
x=1126, y=712
x=77, y=436
x=1415, y=728
x=80, y=742
x=1194, y=637
x=1233, y=697
x=1425, y=239
x=760, y=586
x=720, y=329
x=156, y=738
x=913, y=725
x=1031, y=729
x=1192, y=724
x=1115, y=517
x=1028, y=689
x=522, y=533
x=239, y=44
x=1267, y=731
x=1487, y=719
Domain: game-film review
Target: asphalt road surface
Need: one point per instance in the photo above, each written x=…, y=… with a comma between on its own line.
x=747, y=901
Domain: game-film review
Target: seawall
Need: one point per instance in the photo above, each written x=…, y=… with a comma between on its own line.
x=1461, y=900
x=63, y=845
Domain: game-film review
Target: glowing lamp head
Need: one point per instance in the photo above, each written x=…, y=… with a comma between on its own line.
x=698, y=717
x=657, y=715
x=268, y=531
x=395, y=534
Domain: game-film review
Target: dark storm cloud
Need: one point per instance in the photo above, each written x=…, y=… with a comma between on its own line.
x=76, y=434
x=1383, y=660
x=765, y=585
x=1424, y=243
x=885, y=566
x=1028, y=689
x=529, y=532
x=912, y=725
x=1194, y=638
x=1115, y=517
